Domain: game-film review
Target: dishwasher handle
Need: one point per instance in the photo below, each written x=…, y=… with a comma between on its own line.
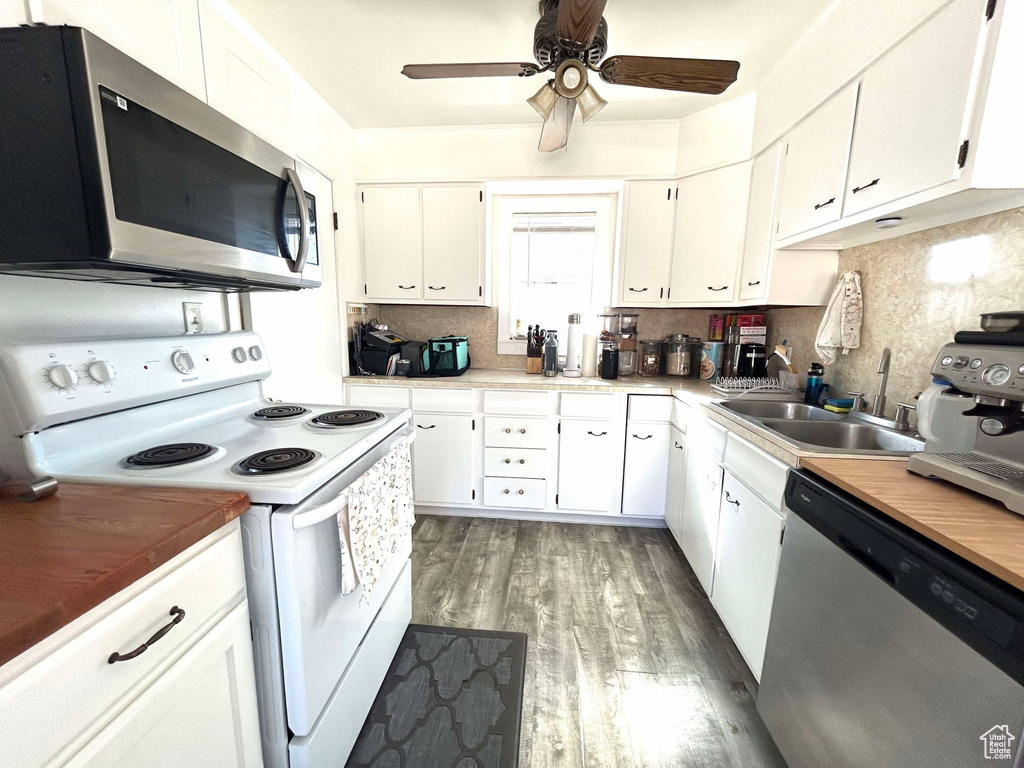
x=864, y=558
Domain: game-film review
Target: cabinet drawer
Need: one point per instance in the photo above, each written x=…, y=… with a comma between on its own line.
x=585, y=405
x=65, y=694
x=680, y=414
x=704, y=434
x=512, y=492
x=515, y=462
x=378, y=396
x=516, y=402
x=650, y=407
x=764, y=474
x=442, y=400
x=515, y=432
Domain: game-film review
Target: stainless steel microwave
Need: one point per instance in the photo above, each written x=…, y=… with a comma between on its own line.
x=109, y=172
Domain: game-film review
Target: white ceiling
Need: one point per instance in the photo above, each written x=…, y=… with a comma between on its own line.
x=352, y=52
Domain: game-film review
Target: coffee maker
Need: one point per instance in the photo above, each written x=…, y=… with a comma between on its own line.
x=989, y=366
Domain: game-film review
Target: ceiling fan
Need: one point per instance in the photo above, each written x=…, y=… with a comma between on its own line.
x=571, y=39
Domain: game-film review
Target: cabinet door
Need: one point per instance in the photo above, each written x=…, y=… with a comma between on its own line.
x=392, y=242
x=201, y=711
x=703, y=488
x=645, y=476
x=911, y=110
x=646, y=251
x=749, y=543
x=442, y=459
x=453, y=244
x=814, y=168
x=757, y=243
x=161, y=34
x=244, y=83
x=711, y=213
x=676, y=482
x=584, y=451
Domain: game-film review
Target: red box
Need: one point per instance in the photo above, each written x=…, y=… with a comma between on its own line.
x=715, y=327
x=747, y=320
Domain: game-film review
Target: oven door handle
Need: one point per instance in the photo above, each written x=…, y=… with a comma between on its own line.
x=319, y=513
x=299, y=261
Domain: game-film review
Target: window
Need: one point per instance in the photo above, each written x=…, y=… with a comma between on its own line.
x=554, y=258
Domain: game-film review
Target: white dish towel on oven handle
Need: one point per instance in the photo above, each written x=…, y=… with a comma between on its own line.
x=840, y=327
x=377, y=519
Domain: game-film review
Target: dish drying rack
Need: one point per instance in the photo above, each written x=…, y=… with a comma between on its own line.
x=753, y=388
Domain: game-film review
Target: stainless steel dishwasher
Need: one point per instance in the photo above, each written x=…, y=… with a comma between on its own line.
x=885, y=649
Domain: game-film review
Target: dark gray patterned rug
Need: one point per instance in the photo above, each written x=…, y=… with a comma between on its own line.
x=453, y=698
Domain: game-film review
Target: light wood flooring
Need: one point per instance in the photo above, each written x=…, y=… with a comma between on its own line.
x=628, y=664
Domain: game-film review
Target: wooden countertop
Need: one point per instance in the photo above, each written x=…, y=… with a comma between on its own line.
x=978, y=529
x=62, y=556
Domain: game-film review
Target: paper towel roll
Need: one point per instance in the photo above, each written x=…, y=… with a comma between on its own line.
x=589, y=355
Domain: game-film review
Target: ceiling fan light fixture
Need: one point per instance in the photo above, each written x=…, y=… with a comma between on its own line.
x=590, y=103
x=544, y=100
x=570, y=78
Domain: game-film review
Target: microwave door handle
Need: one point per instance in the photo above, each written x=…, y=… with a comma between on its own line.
x=299, y=262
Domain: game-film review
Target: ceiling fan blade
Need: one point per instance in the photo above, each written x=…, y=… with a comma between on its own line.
x=555, y=133
x=578, y=21
x=696, y=75
x=431, y=71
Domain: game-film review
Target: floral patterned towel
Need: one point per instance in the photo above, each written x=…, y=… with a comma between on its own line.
x=377, y=521
x=840, y=327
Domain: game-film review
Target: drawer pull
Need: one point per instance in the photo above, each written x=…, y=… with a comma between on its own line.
x=866, y=186
x=754, y=282
x=505, y=491
x=508, y=461
x=407, y=287
x=435, y=288
x=710, y=288
x=178, y=615
x=731, y=500
x=822, y=205
x=638, y=290
x=642, y=438
x=522, y=461
x=522, y=431
x=521, y=491
x=596, y=434
x=508, y=430
x=431, y=426
x=677, y=444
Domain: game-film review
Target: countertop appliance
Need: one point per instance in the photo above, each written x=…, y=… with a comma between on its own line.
x=994, y=374
x=110, y=172
x=884, y=649
x=188, y=412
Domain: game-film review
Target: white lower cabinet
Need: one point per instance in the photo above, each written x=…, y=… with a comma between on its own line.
x=643, y=479
x=443, y=468
x=585, y=451
x=703, y=488
x=676, y=484
x=749, y=543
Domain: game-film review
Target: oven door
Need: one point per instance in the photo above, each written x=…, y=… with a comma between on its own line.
x=185, y=188
x=320, y=627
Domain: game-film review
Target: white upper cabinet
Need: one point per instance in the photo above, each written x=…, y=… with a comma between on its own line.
x=453, y=243
x=424, y=244
x=711, y=215
x=392, y=243
x=646, y=251
x=910, y=116
x=245, y=83
x=816, y=159
x=161, y=34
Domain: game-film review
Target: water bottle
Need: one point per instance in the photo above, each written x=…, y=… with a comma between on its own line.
x=815, y=379
x=550, y=355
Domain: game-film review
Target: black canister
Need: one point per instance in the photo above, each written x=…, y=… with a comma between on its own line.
x=609, y=360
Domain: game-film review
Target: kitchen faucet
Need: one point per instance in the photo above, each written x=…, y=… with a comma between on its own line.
x=878, y=408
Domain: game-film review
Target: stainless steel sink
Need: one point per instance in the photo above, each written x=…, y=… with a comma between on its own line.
x=766, y=409
x=845, y=436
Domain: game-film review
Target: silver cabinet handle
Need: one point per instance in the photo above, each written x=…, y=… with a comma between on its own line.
x=508, y=430
x=596, y=434
x=505, y=491
x=522, y=461
x=522, y=431
x=299, y=261
x=642, y=438
x=508, y=461
x=731, y=500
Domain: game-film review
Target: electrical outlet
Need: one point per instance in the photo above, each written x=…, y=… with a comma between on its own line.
x=193, y=311
x=358, y=309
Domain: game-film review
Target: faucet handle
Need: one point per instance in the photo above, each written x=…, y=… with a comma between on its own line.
x=902, y=419
x=858, y=400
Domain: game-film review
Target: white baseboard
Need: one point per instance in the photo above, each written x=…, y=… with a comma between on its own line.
x=543, y=517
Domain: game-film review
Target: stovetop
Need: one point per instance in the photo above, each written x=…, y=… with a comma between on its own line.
x=226, y=438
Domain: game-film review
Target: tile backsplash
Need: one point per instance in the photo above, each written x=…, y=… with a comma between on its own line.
x=919, y=289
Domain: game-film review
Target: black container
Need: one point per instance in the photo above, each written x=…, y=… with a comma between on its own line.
x=609, y=368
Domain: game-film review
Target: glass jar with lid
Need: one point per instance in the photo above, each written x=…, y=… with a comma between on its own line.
x=650, y=357
x=609, y=327
x=681, y=355
x=628, y=323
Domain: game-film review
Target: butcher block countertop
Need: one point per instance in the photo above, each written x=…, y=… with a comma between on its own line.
x=981, y=531
x=66, y=554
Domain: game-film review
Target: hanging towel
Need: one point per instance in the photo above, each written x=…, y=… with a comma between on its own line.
x=377, y=520
x=840, y=327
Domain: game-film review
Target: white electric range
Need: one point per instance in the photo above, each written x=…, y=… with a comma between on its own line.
x=188, y=412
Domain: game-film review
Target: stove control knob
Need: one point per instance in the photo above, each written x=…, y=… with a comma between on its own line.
x=182, y=360
x=101, y=372
x=996, y=375
x=238, y=354
x=255, y=353
x=62, y=377
x=993, y=427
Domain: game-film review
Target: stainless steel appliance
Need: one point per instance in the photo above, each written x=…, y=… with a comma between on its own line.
x=994, y=374
x=884, y=649
x=110, y=172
